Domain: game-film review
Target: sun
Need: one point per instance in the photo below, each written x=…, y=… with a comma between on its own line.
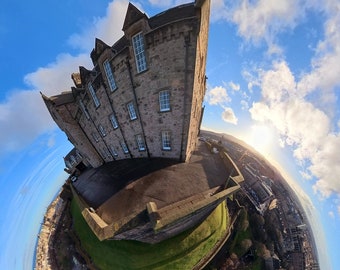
x=261, y=138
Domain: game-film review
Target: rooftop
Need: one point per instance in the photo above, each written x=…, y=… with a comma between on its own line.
x=151, y=200
x=121, y=188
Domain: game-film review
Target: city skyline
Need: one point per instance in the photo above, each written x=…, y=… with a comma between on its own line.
x=272, y=81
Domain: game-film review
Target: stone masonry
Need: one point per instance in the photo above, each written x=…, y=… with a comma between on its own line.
x=160, y=77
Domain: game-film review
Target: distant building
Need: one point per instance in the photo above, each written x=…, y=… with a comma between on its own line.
x=143, y=98
x=258, y=191
x=297, y=260
x=74, y=162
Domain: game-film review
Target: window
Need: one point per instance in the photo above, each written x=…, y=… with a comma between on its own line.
x=107, y=153
x=140, y=142
x=166, y=140
x=124, y=147
x=73, y=160
x=68, y=164
x=138, y=48
x=109, y=76
x=113, y=151
x=132, y=111
x=82, y=107
x=95, y=137
x=164, y=101
x=78, y=154
x=102, y=130
x=114, y=121
x=94, y=95
x=103, y=153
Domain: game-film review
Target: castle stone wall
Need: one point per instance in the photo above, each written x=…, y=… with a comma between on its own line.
x=175, y=53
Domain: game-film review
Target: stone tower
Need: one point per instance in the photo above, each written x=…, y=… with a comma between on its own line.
x=143, y=97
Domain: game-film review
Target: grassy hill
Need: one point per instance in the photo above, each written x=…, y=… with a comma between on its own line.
x=183, y=251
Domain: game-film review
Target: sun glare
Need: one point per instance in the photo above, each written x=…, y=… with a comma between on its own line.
x=261, y=138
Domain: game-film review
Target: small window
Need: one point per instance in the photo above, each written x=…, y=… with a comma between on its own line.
x=164, y=101
x=94, y=95
x=124, y=147
x=166, y=140
x=84, y=110
x=95, y=137
x=68, y=164
x=78, y=154
x=102, y=130
x=107, y=153
x=132, y=111
x=109, y=75
x=103, y=154
x=73, y=160
x=138, y=48
x=140, y=142
x=113, y=151
x=113, y=120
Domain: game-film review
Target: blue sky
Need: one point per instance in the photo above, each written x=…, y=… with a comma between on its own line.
x=273, y=81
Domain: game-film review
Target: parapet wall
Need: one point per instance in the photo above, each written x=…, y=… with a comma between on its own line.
x=230, y=165
x=164, y=223
x=153, y=225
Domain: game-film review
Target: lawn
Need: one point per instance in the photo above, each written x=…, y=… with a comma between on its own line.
x=180, y=252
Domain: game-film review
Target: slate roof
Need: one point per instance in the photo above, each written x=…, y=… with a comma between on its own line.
x=173, y=14
x=63, y=98
x=163, y=18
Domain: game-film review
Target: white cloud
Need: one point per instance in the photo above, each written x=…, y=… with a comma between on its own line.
x=244, y=105
x=219, y=10
x=305, y=175
x=331, y=214
x=234, y=86
x=228, y=116
x=23, y=116
x=326, y=166
x=304, y=111
x=107, y=28
x=217, y=96
x=301, y=124
x=260, y=21
x=325, y=71
x=56, y=76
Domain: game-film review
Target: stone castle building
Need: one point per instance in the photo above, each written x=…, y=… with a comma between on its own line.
x=143, y=97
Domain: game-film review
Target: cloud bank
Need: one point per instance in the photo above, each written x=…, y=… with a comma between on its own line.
x=23, y=115
x=219, y=96
x=302, y=107
x=301, y=125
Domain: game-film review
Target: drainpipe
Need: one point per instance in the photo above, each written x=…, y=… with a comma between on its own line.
x=186, y=59
x=137, y=105
x=88, y=136
x=114, y=113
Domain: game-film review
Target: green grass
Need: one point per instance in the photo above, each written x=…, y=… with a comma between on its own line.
x=180, y=252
